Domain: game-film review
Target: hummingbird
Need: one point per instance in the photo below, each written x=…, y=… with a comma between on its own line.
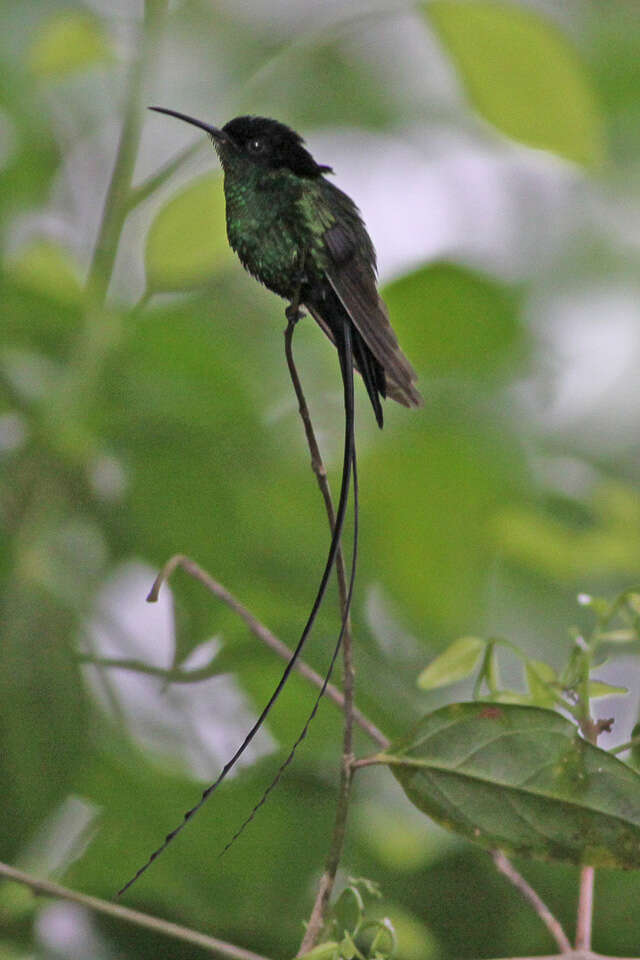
x=304, y=239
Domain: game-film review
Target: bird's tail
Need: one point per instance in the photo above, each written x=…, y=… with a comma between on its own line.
x=345, y=352
x=325, y=683
x=372, y=374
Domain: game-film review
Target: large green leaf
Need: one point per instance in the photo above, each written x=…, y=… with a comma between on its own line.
x=569, y=541
x=49, y=270
x=522, y=75
x=439, y=477
x=455, y=321
x=521, y=779
x=187, y=240
x=68, y=43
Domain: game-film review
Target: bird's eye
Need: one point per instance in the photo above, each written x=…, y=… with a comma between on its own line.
x=257, y=145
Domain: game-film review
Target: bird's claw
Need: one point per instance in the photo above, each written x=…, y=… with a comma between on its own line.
x=293, y=313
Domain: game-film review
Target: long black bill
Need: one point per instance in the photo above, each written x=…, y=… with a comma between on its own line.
x=345, y=352
x=214, y=132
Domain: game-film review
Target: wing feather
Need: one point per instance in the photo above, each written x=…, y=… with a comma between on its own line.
x=354, y=282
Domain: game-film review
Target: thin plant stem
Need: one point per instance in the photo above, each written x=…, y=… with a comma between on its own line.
x=141, y=303
x=218, y=947
x=119, y=193
x=621, y=748
x=585, y=909
x=148, y=187
x=101, y=328
x=332, y=862
x=584, y=921
x=552, y=924
x=584, y=918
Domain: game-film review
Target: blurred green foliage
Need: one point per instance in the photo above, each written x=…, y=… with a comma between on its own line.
x=67, y=43
x=522, y=76
x=186, y=243
x=128, y=435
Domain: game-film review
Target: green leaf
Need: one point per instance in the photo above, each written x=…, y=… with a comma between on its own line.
x=619, y=636
x=324, y=951
x=576, y=669
x=547, y=544
x=521, y=779
x=455, y=321
x=512, y=696
x=384, y=943
x=455, y=663
x=599, y=689
x=68, y=43
x=522, y=75
x=348, y=949
x=48, y=269
x=187, y=240
x=348, y=910
x=445, y=583
x=492, y=667
x=539, y=677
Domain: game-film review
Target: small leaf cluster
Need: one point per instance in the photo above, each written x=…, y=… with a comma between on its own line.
x=353, y=933
x=509, y=771
x=571, y=688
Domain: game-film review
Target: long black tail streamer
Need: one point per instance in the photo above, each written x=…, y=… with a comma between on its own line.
x=325, y=683
x=346, y=362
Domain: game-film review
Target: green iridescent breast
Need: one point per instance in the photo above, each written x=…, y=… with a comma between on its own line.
x=271, y=217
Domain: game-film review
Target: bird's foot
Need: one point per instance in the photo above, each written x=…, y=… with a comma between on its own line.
x=293, y=313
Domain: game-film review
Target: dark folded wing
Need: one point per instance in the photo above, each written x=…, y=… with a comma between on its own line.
x=354, y=282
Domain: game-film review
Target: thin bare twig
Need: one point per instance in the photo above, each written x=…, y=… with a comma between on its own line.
x=142, y=191
x=623, y=747
x=257, y=628
x=584, y=918
x=591, y=730
x=552, y=924
x=212, y=944
x=332, y=862
x=585, y=909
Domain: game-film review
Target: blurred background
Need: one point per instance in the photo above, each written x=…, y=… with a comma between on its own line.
x=145, y=410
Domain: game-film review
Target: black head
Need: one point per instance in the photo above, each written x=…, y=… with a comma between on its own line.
x=272, y=144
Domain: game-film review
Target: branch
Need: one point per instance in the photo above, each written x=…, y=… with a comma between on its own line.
x=585, y=909
x=552, y=924
x=212, y=944
x=144, y=190
x=116, y=204
x=591, y=730
x=332, y=862
x=257, y=628
x=623, y=747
